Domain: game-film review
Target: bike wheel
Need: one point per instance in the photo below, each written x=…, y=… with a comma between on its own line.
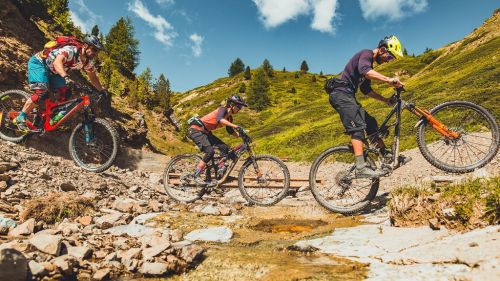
x=177, y=178
x=333, y=183
x=11, y=101
x=476, y=146
x=268, y=185
x=98, y=154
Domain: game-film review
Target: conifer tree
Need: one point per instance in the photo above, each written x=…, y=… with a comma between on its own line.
x=258, y=96
x=162, y=89
x=304, y=68
x=405, y=52
x=121, y=45
x=236, y=67
x=268, y=68
x=95, y=30
x=247, y=74
x=145, y=87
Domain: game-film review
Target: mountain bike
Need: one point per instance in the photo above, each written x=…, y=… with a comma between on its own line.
x=455, y=136
x=262, y=180
x=93, y=143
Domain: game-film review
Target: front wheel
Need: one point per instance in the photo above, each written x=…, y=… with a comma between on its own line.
x=334, y=185
x=476, y=145
x=94, y=146
x=178, y=178
x=11, y=103
x=264, y=180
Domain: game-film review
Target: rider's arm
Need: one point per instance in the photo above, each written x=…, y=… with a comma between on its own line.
x=379, y=97
x=94, y=80
x=372, y=74
x=59, y=65
x=225, y=122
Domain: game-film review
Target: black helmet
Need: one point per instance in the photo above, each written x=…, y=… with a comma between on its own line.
x=237, y=100
x=93, y=41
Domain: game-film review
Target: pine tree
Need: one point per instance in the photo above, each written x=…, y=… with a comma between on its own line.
x=247, y=74
x=321, y=73
x=258, y=96
x=121, y=45
x=304, y=68
x=236, y=67
x=95, y=30
x=133, y=98
x=59, y=10
x=145, y=87
x=284, y=69
x=162, y=89
x=405, y=52
x=268, y=68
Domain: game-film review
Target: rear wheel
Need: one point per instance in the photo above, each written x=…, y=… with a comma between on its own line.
x=475, y=147
x=266, y=182
x=11, y=103
x=333, y=183
x=178, y=178
x=94, y=148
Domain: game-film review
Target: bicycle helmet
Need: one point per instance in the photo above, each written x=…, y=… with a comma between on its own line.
x=93, y=41
x=393, y=46
x=236, y=100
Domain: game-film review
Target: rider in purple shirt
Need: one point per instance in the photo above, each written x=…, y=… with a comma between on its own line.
x=358, y=73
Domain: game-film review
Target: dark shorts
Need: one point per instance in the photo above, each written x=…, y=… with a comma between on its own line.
x=353, y=115
x=206, y=142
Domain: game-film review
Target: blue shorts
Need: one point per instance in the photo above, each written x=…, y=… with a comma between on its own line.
x=40, y=77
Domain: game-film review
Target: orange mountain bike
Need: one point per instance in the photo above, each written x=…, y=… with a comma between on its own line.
x=93, y=144
x=455, y=136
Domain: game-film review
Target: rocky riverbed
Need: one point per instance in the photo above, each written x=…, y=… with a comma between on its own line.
x=58, y=222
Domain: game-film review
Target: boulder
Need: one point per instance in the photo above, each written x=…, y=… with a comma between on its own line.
x=37, y=269
x=101, y=274
x=65, y=264
x=191, y=252
x=126, y=205
x=108, y=220
x=13, y=265
x=154, y=268
x=47, y=243
x=80, y=252
x=25, y=228
x=149, y=253
x=67, y=186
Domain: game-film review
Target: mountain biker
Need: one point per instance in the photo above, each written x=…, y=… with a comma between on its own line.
x=201, y=132
x=358, y=73
x=51, y=73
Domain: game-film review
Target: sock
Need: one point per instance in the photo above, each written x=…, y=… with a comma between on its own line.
x=198, y=172
x=360, y=162
x=21, y=116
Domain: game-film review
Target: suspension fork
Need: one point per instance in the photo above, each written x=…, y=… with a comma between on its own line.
x=435, y=124
x=254, y=163
x=88, y=128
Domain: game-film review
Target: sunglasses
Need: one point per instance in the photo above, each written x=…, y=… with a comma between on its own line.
x=239, y=106
x=389, y=57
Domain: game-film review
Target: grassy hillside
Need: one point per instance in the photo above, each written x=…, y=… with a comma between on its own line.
x=300, y=125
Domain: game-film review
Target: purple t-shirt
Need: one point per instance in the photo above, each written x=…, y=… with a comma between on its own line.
x=355, y=71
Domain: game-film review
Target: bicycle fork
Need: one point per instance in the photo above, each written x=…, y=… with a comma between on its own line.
x=435, y=124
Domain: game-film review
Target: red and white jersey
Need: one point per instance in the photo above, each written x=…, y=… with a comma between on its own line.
x=72, y=60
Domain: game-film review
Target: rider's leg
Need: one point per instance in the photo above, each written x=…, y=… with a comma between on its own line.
x=222, y=146
x=202, y=142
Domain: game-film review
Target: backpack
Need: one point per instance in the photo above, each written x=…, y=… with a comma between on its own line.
x=195, y=120
x=60, y=42
x=332, y=83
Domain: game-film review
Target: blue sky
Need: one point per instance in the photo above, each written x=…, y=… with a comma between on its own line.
x=193, y=42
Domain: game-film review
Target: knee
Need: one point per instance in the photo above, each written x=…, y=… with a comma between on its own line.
x=39, y=95
x=209, y=153
x=357, y=135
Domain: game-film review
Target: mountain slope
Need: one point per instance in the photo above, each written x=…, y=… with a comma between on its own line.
x=300, y=125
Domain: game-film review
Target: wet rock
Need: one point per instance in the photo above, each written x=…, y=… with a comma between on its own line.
x=212, y=234
x=191, y=252
x=47, y=243
x=25, y=228
x=134, y=230
x=67, y=187
x=154, y=268
x=80, y=252
x=37, y=269
x=13, y=265
x=101, y=274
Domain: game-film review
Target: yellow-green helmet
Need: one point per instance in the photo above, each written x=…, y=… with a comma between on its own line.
x=393, y=46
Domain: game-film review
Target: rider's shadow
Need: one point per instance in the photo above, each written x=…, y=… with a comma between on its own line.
x=378, y=203
x=55, y=144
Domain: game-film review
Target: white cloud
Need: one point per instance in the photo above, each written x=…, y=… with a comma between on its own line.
x=84, y=18
x=197, y=41
x=391, y=9
x=324, y=12
x=164, y=31
x=165, y=2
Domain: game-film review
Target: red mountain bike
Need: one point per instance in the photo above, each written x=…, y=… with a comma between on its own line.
x=93, y=144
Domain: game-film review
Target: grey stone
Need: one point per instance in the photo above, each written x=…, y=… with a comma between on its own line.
x=134, y=230
x=132, y=253
x=154, y=268
x=37, y=269
x=68, y=228
x=7, y=223
x=25, y=228
x=149, y=253
x=212, y=234
x=108, y=220
x=80, y=252
x=210, y=210
x=141, y=219
x=434, y=224
x=65, y=264
x=13, y=265
x=47, y=243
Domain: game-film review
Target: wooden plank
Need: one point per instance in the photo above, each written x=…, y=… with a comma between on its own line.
x=234, y=184
x=175, y=176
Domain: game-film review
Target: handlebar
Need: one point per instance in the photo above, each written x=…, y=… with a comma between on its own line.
x=88, y=90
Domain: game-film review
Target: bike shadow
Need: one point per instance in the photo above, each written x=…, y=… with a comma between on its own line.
x=377, y=204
